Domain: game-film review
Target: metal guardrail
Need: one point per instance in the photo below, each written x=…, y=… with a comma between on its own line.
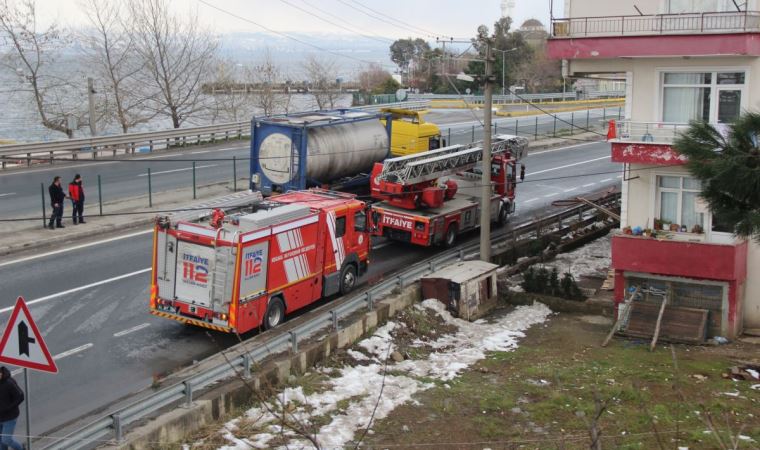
x=132, y=143
x=512, y=98
x=659, y=24
x=112, y=425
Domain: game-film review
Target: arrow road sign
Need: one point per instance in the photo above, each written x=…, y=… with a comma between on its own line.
x=22, y=344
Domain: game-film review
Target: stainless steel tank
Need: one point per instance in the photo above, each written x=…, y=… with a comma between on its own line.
x=333, y=152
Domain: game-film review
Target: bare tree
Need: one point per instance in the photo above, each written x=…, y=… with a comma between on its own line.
x=177, y=54
x=266, y=76
x=30, y=53
x=111, y=53
x=322, y=74
x=229, y=100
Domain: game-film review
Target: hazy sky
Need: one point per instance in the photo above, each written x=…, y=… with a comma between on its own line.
x=457, y=18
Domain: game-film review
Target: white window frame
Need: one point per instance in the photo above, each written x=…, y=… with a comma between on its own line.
x=680, y=190
x=659, y=107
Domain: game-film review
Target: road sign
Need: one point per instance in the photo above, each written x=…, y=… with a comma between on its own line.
x=22, y=344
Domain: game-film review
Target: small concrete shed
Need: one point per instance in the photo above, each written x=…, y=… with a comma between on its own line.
x=467, y=288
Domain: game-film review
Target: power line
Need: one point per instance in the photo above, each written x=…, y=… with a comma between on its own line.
x=382, y=19
x=287, y=36
x=382, y=39
x=398, y=20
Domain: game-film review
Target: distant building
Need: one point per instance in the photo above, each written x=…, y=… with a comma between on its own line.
x=507, y=8
x=534, y=32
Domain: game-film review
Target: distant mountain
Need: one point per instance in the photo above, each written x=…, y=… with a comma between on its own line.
x=248, y=48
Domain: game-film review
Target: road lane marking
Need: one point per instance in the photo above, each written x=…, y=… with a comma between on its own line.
x=381, y=245
x=531, y=200
x=568, y=165
x=7, y=194
x=62, y=355
x=619, y=176
x=588, y=185
x=80, y=288
x=76, y=247
x=131, y=330
x=605, y=180
x=551, y=195
x=570, y=190
x=184, y=169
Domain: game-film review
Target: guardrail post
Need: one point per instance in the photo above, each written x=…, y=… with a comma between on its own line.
x=604, y=114
x=118, y=432
x=449, y=141
x=213, y=138
x=100, y=197
x=559, y=222
x=517, y=121
x=28, y=159
x=399, y=282
x=188, y=394
x=554, y=133
x=234, y=173
x=535, y=133
x=370, y=302
x=195, y=196
x=42, y=191
x=293, y=341
x=588, y=113
x=620, y=112
x=431, y=266
x=246, y=366
x=496, y=128
x=150, y=146
x=473, y=133
x=334, y=320
x=226, y=135
x=461, y=254
x=572, y=122
x=150, y=191
x=51, y=157
x=199, y=140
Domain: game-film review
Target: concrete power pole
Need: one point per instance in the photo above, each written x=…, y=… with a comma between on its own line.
x=91, y=100
x=485, y=201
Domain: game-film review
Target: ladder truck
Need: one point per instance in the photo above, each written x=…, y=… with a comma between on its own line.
x=431, y=198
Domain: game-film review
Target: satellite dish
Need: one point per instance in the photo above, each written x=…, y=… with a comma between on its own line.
x=401, y=95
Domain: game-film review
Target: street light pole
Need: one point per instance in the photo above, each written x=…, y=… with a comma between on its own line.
x=485, y=200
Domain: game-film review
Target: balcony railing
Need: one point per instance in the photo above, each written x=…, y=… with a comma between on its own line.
x=689, y=23
x=654, y=132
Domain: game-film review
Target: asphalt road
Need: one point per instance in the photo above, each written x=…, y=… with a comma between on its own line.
x=91, y=302
x=20, y=194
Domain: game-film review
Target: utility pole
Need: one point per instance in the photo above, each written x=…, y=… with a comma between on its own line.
x=91, y=101
x=485, y=201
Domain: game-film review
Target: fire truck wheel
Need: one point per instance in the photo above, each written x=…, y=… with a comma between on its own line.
x=503, y=215
x=275, y=313
x=451, y=236
x=347, y=279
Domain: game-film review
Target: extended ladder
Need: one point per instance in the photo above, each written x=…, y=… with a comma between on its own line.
x=428, y=166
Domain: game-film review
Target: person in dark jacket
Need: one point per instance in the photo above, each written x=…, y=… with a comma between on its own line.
x=56, y=201
x=11, y=397
x=76, y=194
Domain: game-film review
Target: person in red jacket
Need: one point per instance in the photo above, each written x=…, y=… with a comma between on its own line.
x=76, y=192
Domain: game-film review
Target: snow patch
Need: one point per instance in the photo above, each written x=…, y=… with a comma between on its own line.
x=367, y=390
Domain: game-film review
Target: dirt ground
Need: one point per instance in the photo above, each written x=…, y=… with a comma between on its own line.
x=547, y=393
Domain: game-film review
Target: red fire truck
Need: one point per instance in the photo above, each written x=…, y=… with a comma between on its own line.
x=242, y=272
x=430, y=198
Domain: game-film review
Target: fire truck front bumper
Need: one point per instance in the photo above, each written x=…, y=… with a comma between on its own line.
x=191, y=321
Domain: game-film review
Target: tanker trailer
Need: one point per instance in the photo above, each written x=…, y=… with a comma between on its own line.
x=298, y=151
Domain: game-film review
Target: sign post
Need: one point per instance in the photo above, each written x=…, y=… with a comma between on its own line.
x=22, y=345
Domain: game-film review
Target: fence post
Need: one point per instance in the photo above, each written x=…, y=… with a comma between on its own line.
x=194, y=193
x=293, y=341
x=234, y=174
x=517, y=121
x=100, y=197
x=572, y=122
x=588, y=112
x=150, y=191
x=535, y=133
x=473, y=134
x=118, y=431
x=554, y=132
x=604, y=114
x=620, y=112
x=42, y=191
x=496, y=128
x=449, y=141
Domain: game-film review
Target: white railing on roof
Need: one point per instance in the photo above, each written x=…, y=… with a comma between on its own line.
x=651, y=132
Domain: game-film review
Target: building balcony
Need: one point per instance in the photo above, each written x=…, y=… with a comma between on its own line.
x=647, y=143
x=694, y=34
x=680, y=256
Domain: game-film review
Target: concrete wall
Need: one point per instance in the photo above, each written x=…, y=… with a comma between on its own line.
x=752, y=288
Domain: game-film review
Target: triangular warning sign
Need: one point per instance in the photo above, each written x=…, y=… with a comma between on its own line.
x=22, y=343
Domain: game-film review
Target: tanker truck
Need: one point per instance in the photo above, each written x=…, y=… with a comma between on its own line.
x=335, y=149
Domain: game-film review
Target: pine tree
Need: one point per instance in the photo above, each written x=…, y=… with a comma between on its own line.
x=729, y=169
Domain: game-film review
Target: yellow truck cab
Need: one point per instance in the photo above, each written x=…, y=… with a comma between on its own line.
x=411, y=134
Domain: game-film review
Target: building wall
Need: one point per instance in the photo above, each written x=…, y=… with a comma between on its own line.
x=752, y=288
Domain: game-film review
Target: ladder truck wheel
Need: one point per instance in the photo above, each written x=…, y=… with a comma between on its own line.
x=347, y=279
x=503, y=215
x=275, y=313
x=451, y=236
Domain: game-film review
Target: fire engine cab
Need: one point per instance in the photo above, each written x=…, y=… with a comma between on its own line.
x=430, y=198
x=241, y=272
